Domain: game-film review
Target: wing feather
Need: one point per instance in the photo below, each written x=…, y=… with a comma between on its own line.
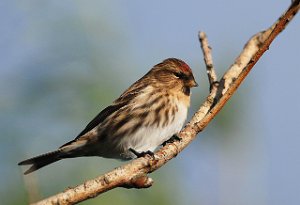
x=122, y=101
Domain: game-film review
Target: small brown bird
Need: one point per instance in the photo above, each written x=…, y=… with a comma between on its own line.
x=148, y=113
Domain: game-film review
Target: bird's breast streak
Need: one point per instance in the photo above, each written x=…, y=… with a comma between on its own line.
x=150, y=137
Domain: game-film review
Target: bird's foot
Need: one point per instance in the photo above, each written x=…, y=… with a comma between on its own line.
x=174, y=138
x=141, y=154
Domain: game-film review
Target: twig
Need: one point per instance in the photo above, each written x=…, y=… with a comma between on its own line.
x=206, y=49
x=134, y=174
x=212, y=79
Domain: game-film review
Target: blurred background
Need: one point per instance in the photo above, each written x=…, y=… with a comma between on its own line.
x=64, y=61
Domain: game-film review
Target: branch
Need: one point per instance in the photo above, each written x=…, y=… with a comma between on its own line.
x=206, y=49
x=134, y=174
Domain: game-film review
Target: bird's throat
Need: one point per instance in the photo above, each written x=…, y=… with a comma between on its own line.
x=186, y=90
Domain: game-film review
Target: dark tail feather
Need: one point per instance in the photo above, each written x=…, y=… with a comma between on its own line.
x=42, y=160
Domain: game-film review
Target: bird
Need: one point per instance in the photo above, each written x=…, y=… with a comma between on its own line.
x=148, y=114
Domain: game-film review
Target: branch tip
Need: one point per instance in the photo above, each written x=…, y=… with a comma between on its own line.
x=206, y=49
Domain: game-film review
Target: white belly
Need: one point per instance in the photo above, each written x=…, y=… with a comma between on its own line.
x=149, y=138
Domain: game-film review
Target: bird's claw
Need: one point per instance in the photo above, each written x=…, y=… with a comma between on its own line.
x=141, y=154
x=174, y=138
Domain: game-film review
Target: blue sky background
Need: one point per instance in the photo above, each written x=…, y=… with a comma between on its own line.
x=64, y=61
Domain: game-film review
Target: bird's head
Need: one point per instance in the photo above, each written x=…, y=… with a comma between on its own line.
x=174, y=74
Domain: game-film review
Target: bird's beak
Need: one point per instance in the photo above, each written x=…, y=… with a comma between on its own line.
x=193, y=83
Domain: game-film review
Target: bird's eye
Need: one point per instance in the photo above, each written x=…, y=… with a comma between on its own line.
x=179, y=75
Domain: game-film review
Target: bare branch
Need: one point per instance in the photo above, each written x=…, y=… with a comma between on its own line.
x=206, y=49
x=134, y=174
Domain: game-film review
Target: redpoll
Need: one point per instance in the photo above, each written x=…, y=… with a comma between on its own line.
x=147, y=114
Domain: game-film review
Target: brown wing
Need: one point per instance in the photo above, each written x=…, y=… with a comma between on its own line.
x=101, y=117
x=98, y=119
x=122, y=101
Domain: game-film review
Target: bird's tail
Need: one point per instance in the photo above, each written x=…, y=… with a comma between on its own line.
x=42, y=160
